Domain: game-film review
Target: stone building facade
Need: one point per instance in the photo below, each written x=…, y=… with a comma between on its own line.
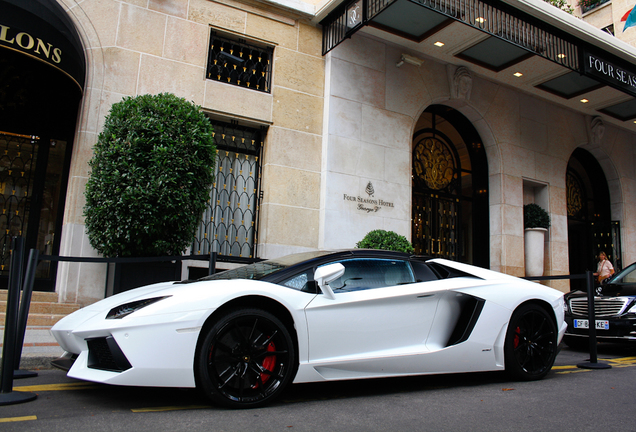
x=348, y=132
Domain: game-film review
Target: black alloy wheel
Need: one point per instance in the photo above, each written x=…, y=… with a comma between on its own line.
x=531, y=343
x=246, y=359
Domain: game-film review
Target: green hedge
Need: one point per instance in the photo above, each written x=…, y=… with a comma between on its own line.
x=150, y=177
x=385, y=240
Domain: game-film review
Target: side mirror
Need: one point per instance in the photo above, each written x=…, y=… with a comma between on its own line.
x=326, y=274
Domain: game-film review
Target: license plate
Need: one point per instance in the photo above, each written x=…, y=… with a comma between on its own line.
x=583, y=324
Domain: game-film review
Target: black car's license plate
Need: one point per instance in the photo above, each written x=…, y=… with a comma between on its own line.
x=583, y=324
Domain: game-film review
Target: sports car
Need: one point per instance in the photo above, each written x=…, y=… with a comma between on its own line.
x=243, y=335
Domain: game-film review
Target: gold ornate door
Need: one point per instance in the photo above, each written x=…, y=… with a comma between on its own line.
x=450, y=188
x=436, y=211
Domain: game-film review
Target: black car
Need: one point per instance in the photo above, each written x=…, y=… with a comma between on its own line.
x=614, y=309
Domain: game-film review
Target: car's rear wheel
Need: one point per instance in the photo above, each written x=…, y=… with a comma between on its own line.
x=531, y=343
x=246, y=359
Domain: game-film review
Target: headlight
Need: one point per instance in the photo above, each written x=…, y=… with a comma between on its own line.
x=565, y=306
x=128, y=308
x=632, y=310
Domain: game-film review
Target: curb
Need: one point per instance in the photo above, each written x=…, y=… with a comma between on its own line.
x=37, y=361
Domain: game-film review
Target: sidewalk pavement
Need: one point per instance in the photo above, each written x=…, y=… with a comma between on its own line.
x=38, y=350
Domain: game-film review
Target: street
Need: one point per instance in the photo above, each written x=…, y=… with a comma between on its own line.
x=569, y=399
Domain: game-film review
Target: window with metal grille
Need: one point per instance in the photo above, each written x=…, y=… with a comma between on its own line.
x=240, y=63
x=230, y=220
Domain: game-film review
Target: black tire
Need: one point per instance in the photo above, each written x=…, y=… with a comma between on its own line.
x=531, y=343
x=577, y=343
x=246, y=359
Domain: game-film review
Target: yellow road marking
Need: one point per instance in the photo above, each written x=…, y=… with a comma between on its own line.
x=57, y=387
x=614, y=362
x=168, y=408
x=17, y=419
x=623, y=361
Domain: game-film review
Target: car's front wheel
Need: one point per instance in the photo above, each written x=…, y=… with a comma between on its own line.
x=246, y=359
x=531, y=343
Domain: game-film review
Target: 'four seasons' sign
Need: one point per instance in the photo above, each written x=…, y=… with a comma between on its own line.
x=368, y=204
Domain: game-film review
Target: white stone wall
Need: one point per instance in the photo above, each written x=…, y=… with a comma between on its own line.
x=336, y=124
x=154, y=46
x=371, y=114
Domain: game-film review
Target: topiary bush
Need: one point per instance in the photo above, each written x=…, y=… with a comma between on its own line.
x=385, y=240
x=150, y=177
x=535, y=216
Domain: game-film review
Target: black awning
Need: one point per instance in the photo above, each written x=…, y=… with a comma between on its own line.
x=41, y=29
x=500, y=20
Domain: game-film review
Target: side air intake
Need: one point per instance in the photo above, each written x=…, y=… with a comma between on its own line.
x=105, y=354
x=471, y=308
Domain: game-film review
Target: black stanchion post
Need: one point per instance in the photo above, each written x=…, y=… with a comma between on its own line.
x=7, y=395
x=25, y=304
x=591, y=315
x=212, y=267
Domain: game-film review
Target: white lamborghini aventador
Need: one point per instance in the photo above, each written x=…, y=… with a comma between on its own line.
x=243, y=335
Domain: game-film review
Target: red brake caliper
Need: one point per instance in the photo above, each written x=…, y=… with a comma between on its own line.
x=268, y=363
x=515, y=342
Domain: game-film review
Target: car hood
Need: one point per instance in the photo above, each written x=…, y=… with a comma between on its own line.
x=609, y=290
x=180, y=293
x=619, y=289
x=158, y=289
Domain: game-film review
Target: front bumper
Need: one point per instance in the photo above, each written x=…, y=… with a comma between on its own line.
x=620, y=328
x=154, y=351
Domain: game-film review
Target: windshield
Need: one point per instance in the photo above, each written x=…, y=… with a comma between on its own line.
x=628, y=275
x=261, y=269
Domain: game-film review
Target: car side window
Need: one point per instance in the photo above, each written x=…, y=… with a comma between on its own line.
x=368, y=273
x=298, y=282
x=423, y=272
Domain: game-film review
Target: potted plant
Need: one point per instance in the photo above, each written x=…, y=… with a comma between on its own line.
x=563, y=5
x=150, y=179
x=536, y=222
x=588, y=5
x=385, y=240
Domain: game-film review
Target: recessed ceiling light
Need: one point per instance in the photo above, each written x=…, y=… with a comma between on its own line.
x=584, y=100
x=518, y=74
x=480, y=20
x=439, y=44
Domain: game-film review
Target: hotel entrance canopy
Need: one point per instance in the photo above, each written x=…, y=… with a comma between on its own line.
x=42, y=30
x=527, y=44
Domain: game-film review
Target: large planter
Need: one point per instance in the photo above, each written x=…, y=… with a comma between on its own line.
x=534, y=247
x=127, y=276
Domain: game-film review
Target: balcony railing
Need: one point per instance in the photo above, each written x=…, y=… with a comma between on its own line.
x=588, y=5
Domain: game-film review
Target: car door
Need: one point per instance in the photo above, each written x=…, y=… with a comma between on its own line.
x=380, y=314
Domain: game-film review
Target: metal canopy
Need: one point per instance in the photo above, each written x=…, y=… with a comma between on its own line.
x=494, y=54
x=570, y=85
x=503, y=22
x=510, y=38
x=414, y=21
x=623, y=111
x=41, y=29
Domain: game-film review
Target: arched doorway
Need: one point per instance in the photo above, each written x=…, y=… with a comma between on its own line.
x=590, y=227
x=450, y=188
x=42, y=68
